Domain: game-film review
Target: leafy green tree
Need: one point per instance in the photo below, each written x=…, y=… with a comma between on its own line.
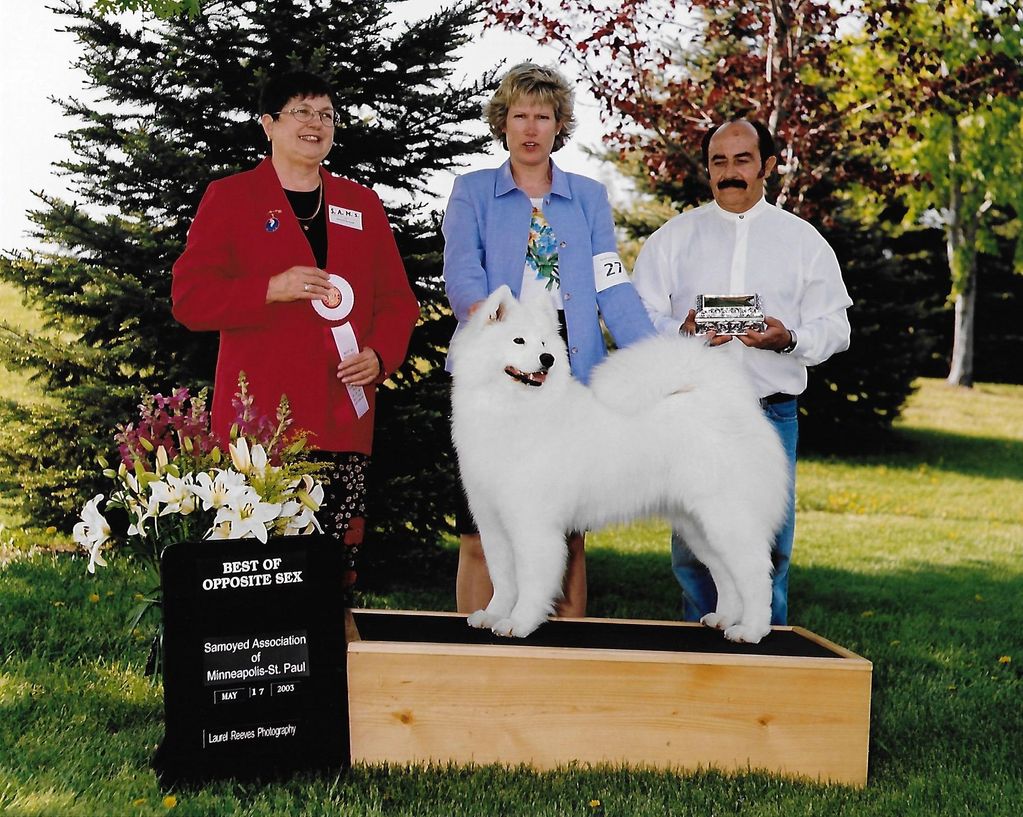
x=937, y=90
x=665, y=71
x=177, y=109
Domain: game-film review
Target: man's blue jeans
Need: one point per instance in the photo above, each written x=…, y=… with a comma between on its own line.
x=699, y=596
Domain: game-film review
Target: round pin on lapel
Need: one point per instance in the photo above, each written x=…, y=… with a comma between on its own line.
x=272, y=221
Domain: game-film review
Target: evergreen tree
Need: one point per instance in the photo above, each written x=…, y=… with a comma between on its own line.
x=177, y=109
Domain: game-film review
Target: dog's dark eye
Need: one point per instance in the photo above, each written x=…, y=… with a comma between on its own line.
x=519, y=340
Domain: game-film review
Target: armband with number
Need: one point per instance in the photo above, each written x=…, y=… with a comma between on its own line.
x=608, y=271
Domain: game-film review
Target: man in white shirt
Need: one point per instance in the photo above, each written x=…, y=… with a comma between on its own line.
x=739, y=244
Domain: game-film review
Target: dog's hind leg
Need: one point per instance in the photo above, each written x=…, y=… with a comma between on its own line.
x=739, y=560
x=751, y=570
x=540, y=557
x=747, y=560
x=497, y=550
x=729, y=603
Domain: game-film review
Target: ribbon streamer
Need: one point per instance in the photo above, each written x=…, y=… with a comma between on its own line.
x=347, y=345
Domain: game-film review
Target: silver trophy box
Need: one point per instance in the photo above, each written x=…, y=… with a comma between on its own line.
x=729, y=314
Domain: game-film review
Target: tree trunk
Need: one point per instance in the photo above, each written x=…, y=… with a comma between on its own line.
x=962, y=264
x=961, y=370
x=778, y=66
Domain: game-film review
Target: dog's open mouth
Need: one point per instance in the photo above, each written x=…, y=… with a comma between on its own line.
x=529, y=378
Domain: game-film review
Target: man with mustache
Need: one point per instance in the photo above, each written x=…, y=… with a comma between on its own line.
x=739, y=244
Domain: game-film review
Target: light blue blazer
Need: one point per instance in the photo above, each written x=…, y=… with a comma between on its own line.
x=486, y=230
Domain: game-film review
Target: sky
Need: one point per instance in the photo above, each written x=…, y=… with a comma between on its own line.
x=35, y=64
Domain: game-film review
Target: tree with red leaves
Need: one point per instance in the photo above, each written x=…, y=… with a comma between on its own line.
x=666, y=70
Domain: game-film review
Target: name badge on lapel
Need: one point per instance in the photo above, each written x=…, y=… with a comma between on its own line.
x=345, y=217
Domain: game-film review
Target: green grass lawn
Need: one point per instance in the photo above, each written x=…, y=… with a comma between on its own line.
x=913, y=559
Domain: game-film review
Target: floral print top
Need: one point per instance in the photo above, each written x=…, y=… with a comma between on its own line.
x=541, y=270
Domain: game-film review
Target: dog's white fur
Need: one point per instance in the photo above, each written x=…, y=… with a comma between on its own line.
x=668, y=428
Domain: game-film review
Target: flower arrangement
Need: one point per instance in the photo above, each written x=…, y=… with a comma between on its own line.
x=175, y=483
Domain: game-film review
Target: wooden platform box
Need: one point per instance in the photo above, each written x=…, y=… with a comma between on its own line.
x=424, y=687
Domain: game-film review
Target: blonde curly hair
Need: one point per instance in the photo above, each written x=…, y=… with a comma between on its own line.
x=547, y=86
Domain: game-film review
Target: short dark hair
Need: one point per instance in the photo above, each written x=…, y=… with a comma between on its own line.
x=279, y=89
x=765, y=141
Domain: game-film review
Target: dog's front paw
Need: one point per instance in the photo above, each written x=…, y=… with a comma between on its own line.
x=744, y=633
x=718, y=621
x=515, y=627
x=481, y=620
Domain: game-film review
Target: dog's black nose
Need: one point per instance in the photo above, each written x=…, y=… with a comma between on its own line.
x=546, y=360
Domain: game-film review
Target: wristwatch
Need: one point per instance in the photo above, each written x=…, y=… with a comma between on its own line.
x=792, y=344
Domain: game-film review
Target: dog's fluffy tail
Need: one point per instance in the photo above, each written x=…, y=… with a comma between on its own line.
x=640, y=376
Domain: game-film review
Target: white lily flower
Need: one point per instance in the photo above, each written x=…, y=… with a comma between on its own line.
x=248, y=461
x=219, y=531
x=175, y=494
x=299, y=518
x=292, y=531
x=92, y=532
x=304, y=522
x=239, y=450
x=130, y=493
x=162, y=459
x=140, y=513
x=248, y=515
x=130, y=480
x=311, y=493
x=259, y=460
x=215, y=492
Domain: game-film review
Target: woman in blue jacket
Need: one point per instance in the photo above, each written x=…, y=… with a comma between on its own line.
x=544, y=233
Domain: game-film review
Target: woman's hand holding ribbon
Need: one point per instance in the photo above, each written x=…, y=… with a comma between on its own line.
x=360, y=369
x=298, y=284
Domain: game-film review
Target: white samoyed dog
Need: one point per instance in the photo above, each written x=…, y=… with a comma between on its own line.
x=668, y=427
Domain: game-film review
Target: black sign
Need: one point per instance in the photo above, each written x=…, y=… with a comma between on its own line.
x=254, y=659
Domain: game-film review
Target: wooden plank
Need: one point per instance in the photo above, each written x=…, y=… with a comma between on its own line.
x=416, y=703
x=512, y=648
x=514, y=651
x=831, y=645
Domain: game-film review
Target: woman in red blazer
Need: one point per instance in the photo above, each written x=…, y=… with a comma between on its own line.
x=298, y=271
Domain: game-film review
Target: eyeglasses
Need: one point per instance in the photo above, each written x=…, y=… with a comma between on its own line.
x=329, y=119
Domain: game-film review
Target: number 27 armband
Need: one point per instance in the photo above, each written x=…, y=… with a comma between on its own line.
x=608, y=271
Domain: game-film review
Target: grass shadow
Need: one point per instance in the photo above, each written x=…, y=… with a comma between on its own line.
x=945, y=451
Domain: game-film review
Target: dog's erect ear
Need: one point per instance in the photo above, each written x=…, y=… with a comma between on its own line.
x=497, y=304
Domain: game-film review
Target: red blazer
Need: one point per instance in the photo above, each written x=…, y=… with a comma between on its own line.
x=220, y=284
